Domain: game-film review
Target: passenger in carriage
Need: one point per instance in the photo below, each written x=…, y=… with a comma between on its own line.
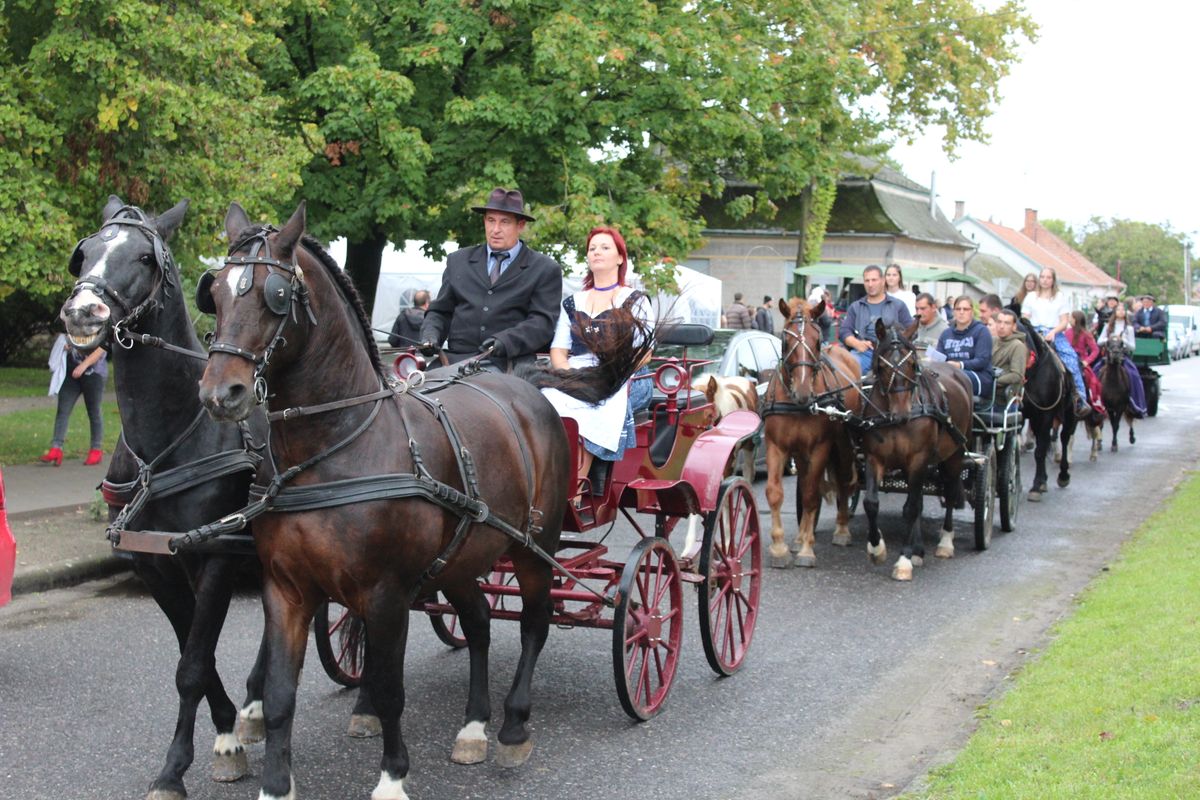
x=607, y=428
x=857, y=328
x=499, y=298
x=967, y=345
x=1009, y=355
x=1085, y=347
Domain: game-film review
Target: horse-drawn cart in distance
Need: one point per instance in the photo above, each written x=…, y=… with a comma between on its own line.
x=675, y=474
x=1150, y=352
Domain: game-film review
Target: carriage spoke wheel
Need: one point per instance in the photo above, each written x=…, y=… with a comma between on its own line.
x=1008, y=484
x=446, y=625
x=341, y=643
x=647, y=628
x=731, y=564
x=985, y=499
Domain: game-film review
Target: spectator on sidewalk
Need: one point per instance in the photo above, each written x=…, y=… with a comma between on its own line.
x=73, y=374
x=406, y=330
x=762, y=317
x=738, y=316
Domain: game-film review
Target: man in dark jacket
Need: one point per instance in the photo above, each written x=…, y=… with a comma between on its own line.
x=501, y=296
x=406, y=330
x=762, y=317
x=857, y=329
x=1149, y=320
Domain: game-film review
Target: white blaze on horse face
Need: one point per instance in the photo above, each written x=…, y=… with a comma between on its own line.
x=231, y=280
x=87, y=297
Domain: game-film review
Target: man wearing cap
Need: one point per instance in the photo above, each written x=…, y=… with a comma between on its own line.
x=1150, y=320
x=500, y=297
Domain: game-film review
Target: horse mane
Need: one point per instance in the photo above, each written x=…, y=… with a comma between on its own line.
x=340, y=279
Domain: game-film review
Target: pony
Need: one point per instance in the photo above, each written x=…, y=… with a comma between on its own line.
x=128, y=298
x=808, y=381
x=1114, y=383
x=729, y=394
x=382, y=494
x=917, y=416
x=1049, y=398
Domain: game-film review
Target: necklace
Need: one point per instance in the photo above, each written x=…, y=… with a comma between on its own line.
x=606, y=288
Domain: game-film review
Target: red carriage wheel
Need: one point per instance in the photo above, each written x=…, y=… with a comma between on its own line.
x=446, y=625
x=731, y=564
x=341, y=643
x=647, y=628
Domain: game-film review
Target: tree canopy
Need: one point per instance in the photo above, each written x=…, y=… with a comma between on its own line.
x=393, y=119
x=1147, y=257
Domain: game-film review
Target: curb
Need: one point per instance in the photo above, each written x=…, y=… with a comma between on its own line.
x=34, y=513
x=68, y=573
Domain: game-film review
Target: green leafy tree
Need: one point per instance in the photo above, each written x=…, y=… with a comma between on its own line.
x=626, y=112
x=1062, y=230
x=1147, y=257
x=150, y=101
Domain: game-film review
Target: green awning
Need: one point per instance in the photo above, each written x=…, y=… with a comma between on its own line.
x=911, y=274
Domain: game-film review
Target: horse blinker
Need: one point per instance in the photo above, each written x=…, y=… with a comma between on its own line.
x=204, y=298
x=277, y=293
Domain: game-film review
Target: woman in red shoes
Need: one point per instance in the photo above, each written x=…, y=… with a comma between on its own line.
x=73, y=374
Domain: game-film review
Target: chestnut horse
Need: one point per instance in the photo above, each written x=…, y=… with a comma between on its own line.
x=796, y=425
x=918, y=416
x=392, y=494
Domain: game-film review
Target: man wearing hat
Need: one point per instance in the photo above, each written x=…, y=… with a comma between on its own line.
x=1150, y=320
x=1104, y=313
x=501, y=296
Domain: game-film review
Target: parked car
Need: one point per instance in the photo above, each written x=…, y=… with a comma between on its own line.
x=1183, y=330
x=748, y=354
x=8, y=551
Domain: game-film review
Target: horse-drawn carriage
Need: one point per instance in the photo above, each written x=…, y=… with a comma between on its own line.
x=1150, y=352
x=675, y=474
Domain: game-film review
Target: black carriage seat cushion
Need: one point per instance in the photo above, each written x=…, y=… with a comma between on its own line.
x=686, y=334
x=664, y=432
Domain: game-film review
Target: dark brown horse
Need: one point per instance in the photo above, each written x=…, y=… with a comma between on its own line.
x=1115, y=388
x=291, y=331
x=809, y=384
x=917, y=416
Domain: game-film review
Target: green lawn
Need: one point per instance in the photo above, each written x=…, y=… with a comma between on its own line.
x=24, y=381
x=1112, y=708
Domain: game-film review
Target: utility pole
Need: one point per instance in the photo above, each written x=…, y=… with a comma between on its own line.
x=1187, y=273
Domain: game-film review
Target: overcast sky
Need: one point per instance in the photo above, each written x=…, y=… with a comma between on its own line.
x=1098, y=119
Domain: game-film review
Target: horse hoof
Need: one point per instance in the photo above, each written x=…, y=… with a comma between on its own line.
x=363, y=726
x=251, y=728
x=901, y=573
x=944, y=552
x=165, y=794
x=841, y=538
x=513, y=755
x=1034, y=496
x=1113, y=449
x=806, y=561
x=230, y=767
x=1092, y=457
x=1063, y=482
x=781, y=562
x=469, y=751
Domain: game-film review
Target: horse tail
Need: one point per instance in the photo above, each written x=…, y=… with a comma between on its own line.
x=621, y=346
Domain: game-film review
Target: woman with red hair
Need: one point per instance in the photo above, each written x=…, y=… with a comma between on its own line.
x=607, y=428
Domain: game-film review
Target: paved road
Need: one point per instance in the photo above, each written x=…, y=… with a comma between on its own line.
x=856, y=684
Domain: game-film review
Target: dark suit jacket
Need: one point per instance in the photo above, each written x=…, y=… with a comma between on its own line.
x=1157, y=324
x=520, y=311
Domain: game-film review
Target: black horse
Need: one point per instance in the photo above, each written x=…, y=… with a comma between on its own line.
x=128, y=298
x=916, y=416
x=384, y=494
x=1115, y=388
x=1049, y=398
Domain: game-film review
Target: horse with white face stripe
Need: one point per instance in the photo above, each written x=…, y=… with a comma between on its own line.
x=128, y=283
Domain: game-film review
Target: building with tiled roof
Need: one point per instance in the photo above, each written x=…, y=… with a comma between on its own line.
x=1030, y=250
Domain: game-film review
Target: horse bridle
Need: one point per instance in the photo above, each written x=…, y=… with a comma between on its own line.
x=138, y=220
x=897, y=343
x=280, y=294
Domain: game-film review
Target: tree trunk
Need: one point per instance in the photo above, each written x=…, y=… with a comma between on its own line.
x=362, y=265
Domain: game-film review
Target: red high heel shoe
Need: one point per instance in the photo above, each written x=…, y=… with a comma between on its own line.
x=53, y=456
x=93, y=458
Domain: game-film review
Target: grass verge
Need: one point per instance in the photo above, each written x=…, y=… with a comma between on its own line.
x=25, y=435
x=24, y=381
x=1112, y=708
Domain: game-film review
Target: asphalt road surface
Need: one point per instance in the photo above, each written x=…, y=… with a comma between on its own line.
x=856, y=685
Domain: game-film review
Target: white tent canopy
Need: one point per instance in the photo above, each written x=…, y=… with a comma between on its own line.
x=403, y=272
